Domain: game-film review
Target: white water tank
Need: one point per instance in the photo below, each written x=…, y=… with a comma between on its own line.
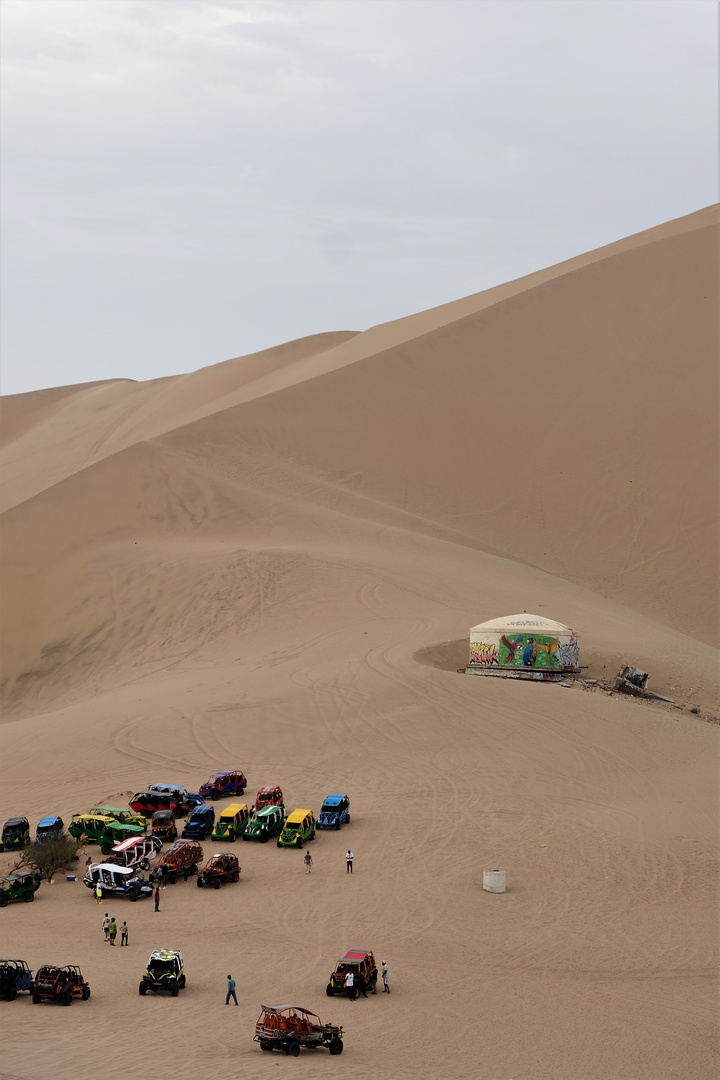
x=494, y=880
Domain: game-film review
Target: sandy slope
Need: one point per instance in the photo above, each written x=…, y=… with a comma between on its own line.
x=270, y=563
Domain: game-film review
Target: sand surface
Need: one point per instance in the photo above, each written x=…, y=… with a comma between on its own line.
x=273, y=564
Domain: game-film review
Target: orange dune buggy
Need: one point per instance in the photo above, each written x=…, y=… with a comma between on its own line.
x=288, y=1027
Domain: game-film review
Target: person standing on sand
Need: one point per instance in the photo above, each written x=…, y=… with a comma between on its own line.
x=350, y=985
x=123, y=934
x=156, y=895
x=98, y=893
x=308, y=861
x=106, y=926
x=348, y=862
x=230, y=991
x=385, y=977
x=113, y=930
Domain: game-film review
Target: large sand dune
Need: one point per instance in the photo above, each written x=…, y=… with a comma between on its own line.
x=273, y=563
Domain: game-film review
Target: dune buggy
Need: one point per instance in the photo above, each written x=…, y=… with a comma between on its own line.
x=299, y=827
x=20, y=886
x=288, y=1027
x=15, y=833
x=227, y=782
x=182, y=856
x=64, y=984
x=217, y=869
x=15, y=975
x=117, y=881
x=164, y=972
x=362, y=964
x=231, y=822
x=264, y=824
x=334, y=812
x=163, y=825
x=267, y=796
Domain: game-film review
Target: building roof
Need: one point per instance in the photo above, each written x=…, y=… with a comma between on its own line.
x=524, y=623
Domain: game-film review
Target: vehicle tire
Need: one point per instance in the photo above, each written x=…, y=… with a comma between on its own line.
x=264, y=838
x=293, y=1049
x=336, y=1046
x=347, y=820
x=245, y=837
x=86, y=992
x=144, y=864
x=337, y=824
x=174, y=990
x=215, y=796
x=312, y=835
x=216, y=883
x=29, y=897
x=330, y=990
x=300, y=842
x=133, y=895
x=142, y=989
x=106, y=848
x=199, y=881
x=236, y=876
x=36, y=999
x=67, y=997
x=265, y=1045
x=11, y=994
x=231, y=837
x=183, y=983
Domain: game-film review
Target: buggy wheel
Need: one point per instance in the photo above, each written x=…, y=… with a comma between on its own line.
x=174, y=989
x=245, y=837
x=133, y=895
x=215, y=796
x=236, y=876
x=265, y=1045
x=336, y=1046
x=231, y=837
x=11, y=994
x=300, y=842
x=199, y=881
x=337, y=824
x=106, y=848
x=217, y=882
x=142, y=989
x=3, y=900
x=85, y=992
x=29, y=897
x=36, y=999
x=292, y=1048
x=312, y=835
x=264, y=838
x=347, y=820
x=67, y=997
x=330, y=990
x=183, y=984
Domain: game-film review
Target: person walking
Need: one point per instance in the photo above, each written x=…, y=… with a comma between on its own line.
x=385, y=977
x=348, y=862
x=350, y=985
x=156, y=896
x=123, y=934
x=230, y=991
x=98, y=893
x=308, y=862
x=106, y=926
x=112, y=928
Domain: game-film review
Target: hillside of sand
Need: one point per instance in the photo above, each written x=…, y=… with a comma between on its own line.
x=272, y=564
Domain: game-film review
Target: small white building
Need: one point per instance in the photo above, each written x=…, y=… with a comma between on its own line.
x=525, y=646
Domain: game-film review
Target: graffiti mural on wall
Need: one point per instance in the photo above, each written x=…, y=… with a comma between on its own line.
x=568, y=654
x=482, y=653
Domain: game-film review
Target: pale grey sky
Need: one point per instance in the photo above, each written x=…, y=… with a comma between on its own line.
x=190, y=180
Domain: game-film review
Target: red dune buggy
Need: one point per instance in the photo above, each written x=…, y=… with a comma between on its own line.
x=53, y=983
x=288, y=1027
x=267, y=796
x=217, y=869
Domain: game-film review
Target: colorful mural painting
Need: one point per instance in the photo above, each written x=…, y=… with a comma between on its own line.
x=527, y=642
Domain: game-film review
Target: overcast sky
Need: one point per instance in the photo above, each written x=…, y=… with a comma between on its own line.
x=189, y=180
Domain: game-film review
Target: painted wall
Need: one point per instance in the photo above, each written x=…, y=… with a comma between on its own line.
x=534, y=651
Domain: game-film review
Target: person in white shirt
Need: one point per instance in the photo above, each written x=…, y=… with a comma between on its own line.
x=348, y=862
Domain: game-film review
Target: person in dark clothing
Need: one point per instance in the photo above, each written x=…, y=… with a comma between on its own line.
x=156, y=894
x=230, y=991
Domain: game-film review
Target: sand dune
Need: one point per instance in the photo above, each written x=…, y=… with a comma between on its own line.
x=273, y=563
